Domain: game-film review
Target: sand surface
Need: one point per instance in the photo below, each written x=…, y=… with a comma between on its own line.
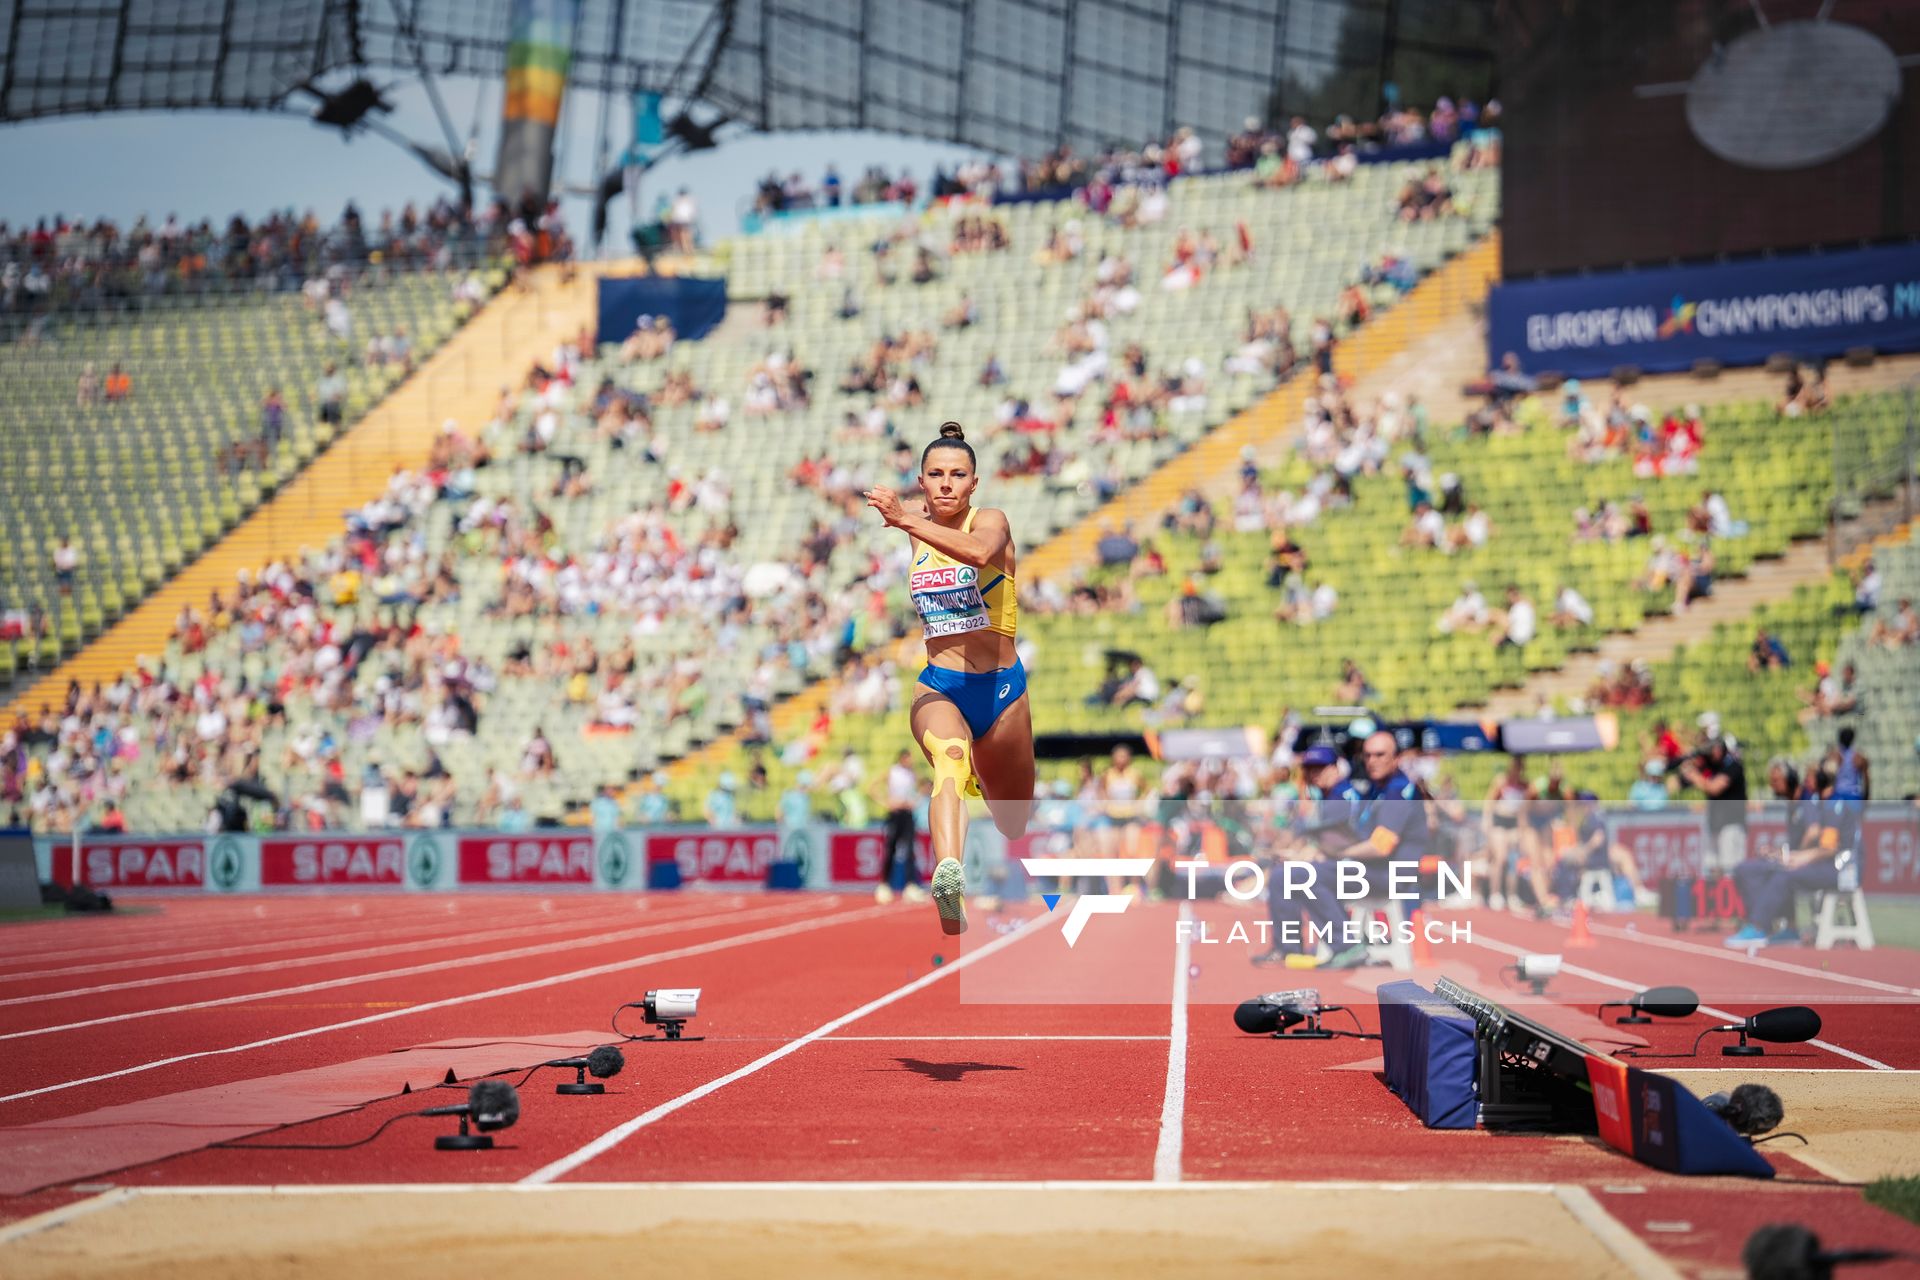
x=754, y=1233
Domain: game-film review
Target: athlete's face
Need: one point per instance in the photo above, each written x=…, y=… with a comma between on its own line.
x=949, y=481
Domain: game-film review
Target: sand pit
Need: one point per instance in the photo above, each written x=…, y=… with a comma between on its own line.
x=1859, y=1125
x=751, y=1232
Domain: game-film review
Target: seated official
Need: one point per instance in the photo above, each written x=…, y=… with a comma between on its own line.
x=1769, y=881
x=1387, y=813
x=1591, y=850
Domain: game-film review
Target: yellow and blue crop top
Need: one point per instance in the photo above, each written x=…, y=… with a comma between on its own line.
x=953, y=600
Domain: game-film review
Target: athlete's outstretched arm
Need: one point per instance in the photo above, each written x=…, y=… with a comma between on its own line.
x=987, y=544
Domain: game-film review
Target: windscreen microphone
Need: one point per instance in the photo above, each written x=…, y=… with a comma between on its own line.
x=490, y=1105
x=1275, y=1010
x=1660, y=1002
x=1752, y=1109
x=604, y=1062
x=1789, y=1025
x=1788, y=1251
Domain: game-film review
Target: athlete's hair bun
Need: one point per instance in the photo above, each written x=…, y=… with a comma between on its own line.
x=953, y=431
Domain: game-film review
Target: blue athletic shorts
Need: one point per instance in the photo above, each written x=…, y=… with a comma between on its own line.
x=980, y=695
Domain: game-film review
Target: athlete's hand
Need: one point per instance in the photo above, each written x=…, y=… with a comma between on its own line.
x=887, y=503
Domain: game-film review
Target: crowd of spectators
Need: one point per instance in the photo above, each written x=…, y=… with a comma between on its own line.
x=1107, y=181
x=61, y=262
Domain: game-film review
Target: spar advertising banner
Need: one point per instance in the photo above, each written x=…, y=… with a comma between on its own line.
x=529, y=858
x=157, y=862
x=1667, y=843
x=1671, y=842
x=858, y=857
x=1738, y=313
x=366, y=861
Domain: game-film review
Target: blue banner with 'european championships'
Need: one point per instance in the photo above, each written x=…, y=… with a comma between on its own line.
x=1811, y=306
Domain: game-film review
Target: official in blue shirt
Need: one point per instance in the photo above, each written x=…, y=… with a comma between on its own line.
x=1386, y=811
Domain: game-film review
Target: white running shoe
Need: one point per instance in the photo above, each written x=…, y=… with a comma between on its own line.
x=914, y=893
x=882, y=892
x=950, y=894
x=1498, y=901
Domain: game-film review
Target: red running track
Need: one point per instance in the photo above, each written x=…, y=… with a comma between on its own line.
x=845, y=1041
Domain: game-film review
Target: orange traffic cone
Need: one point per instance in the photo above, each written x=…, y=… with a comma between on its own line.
x=1422, y=949
x=1580, y=937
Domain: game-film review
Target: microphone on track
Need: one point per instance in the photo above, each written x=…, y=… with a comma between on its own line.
x=1788, y=1251
x=1275, y=1011
x=1752, y=1109
x=1790, y=1025
x=1660, y=1002
x=603, y=1063
x=490, y=1105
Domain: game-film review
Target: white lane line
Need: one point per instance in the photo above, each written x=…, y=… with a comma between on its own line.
x=410, y=971
x=545, y=927
x=63, y=1215
x=1620, y=984
x=393, y=931
x=1758, y=961
x=1630, y=1250
x=621, y=1132
x=533, y=984
x=1173, y=1107
x=121, y=935
x=915, y=1039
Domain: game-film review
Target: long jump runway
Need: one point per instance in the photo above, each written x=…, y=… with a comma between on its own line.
x=865, y=1097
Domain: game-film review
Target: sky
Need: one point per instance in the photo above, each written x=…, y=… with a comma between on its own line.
x=215, y=164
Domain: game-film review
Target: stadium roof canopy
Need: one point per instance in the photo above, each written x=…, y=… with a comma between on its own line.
x=1013, y=76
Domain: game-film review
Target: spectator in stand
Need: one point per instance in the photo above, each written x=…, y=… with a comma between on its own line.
x=87, y=392
x=1692, y=575
x=66, y=562
x=1767, y=654
x=1902, y=631
x=683, y=217
x=330, y=395
x=1830, y=697
x=273, y=426
x=119, y=387
x=1866, y=589
x=1116, y=548
x=1521, y=622
x=1467, y=613
x=1570, y=609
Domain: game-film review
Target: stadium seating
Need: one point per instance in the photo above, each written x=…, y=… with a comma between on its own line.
x=143, y=485
x=1775, y=475
x=1309, y=243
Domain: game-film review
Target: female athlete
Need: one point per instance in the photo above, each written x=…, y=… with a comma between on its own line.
x=970, y=713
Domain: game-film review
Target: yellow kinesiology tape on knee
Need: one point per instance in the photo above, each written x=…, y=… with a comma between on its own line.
x=947, y=766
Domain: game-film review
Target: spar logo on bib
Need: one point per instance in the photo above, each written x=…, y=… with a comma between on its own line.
x=943, y=578
x=526, y=860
